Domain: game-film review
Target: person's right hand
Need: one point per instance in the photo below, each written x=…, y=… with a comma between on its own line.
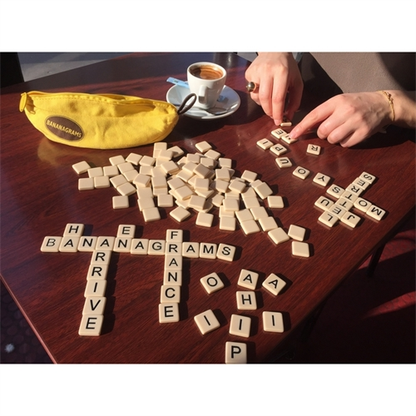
x=277, y=75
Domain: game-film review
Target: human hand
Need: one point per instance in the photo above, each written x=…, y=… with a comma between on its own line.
x=347, y=119
x=277, y=75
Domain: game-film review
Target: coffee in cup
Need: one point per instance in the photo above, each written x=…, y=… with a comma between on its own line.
x=206, y=80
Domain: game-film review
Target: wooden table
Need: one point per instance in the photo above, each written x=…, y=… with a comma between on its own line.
x=39, y=196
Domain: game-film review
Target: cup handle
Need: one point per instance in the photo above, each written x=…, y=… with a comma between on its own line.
x=202, y=93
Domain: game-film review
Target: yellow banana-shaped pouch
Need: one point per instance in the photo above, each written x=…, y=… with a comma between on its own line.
x=100, y=121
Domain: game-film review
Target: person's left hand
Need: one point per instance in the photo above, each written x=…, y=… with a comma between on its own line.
x=347, y=119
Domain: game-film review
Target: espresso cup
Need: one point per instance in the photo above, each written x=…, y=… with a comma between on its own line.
x=206, y=80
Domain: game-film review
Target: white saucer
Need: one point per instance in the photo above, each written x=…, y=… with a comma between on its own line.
x=228, y=99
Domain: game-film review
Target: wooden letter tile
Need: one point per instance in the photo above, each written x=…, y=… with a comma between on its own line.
x=51, y=244
x=248, y=279
x=168, y=312
x=212, y=283
x=91, y=325
x=235, y=353
x=273, y=321
x=240, y=326
x=274, y=284
x=246, y=300
x=225, y=252
x=206, y=321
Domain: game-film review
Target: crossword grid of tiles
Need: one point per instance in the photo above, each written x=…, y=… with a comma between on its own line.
x=174, y=250
x=196, y=183
x=345, y=198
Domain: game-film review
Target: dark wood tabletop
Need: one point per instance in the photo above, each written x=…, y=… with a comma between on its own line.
x=39, y=197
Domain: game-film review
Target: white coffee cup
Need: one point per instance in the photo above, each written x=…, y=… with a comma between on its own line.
x=206, y=80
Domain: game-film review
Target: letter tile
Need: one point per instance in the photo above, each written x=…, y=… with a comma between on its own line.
x=85, y=184
x=151, y=214
x=226, y=252
x=133, y=158
x=212, y=283
x=278, y=149
x=296, y=232
x=120, y=202
x=97, y=271
x=174, y=236
x=337, y=210
x=91, y=325
x=203, y=146
x=122, y=245
x=248, y=279
x=139, y=246
x=250, y=227
x=96, y=171
x=273, y=321
x=94, y=305
x=168, y=312
x=74, y=230
x=116, y=160
x=51, y=244
x=300, y=249
x=275, y=201
x=283, y=162
x=87, y=243
x=111, y=171
x=105, y=243
x=95, y=287
x=101, y=257
x=301, y=172
x=362, y=204
x=207, y=251
x=350, y=219
x=321, y=179
x=227, y=223
x=375, y=212
x=126, y=230
x=235, y=353
x=249, y=176
x=258, y=212
x=246, y=300
x=170, y=294
x=190, y=250
x=278, y=235
x=180, y=214
x=278, y=133
x=157, y=247
x=265, y=144
x=335, y=191
x=323, y=203
x=165, y=201
x=101, y=182
x=268, y=223
x=240, y=326
x=286, y=138
x=126, y=189
x=81, y=167
x=328, y=219
x=172, y=277
x=262, y=189
x=313, y=149
x=206, y=321
x=368, y=177
x=118, y=180
x=344, y=203
x=204, y=219
x=274, y=284
x=173, y=262
x=69, y=244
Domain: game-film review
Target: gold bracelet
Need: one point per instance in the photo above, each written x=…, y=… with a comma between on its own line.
x=390, y=99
